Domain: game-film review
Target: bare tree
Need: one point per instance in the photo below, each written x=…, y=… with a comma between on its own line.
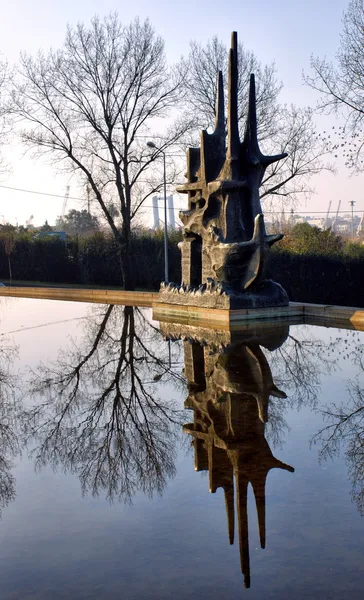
x=4, y=111
x=90, y=107
x=342, y=86
x=101, y=416
x=280, y=128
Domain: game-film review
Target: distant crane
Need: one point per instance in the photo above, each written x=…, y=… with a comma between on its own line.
x=326, y=223
x=361, y=226
x=65, y=200
x=334, y=223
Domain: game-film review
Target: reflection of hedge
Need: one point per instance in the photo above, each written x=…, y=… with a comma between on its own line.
x=93, y=260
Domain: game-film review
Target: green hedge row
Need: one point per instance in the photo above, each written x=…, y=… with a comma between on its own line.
x=93, y=260
x=319, y=279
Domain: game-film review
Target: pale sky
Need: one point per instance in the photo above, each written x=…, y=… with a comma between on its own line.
x=284, y=31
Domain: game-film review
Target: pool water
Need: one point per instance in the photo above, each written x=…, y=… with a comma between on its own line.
x=144, y=460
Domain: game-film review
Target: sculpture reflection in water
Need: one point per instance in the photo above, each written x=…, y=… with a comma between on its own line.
x=229, y=388
x=98, y=411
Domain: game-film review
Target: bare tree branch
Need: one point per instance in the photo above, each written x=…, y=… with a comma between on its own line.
x=342, y=87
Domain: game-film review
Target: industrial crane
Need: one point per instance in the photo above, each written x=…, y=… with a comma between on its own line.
x=65, y=200
x=327, y=217
x=334, y=223
x=28, y=222
x=361, y=226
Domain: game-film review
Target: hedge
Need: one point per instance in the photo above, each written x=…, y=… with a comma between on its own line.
x=93, y=260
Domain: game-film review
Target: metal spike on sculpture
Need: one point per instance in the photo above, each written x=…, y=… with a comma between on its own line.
x=225, y=242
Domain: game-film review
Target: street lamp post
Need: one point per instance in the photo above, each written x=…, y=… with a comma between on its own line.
x=152, y=145
x=352, y=202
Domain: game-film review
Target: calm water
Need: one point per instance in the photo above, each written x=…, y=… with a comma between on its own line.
x=138, y=465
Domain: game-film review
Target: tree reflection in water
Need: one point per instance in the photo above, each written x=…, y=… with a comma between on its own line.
x=102, y=418
x=344, y=420
x=9, y=442
x=299, y=365
x=345, y=427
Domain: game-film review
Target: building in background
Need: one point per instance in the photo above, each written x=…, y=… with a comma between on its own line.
x=156, y=223
x=158, y=212
x=171, y=218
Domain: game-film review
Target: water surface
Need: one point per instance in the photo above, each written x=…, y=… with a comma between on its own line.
x=113, y=437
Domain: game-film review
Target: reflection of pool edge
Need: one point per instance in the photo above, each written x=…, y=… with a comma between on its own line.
x=82, y=295
x=315, y=314
x=296, y=313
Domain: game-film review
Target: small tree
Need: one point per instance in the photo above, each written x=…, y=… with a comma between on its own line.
x=78, y=222
x=46, y=227
x=91, y=105
x=306, y=239
x=7, y=237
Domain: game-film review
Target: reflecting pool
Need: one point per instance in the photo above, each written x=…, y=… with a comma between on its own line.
x=147, y=460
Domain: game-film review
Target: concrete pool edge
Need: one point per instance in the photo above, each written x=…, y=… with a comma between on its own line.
x=319, y=314
x=81, y=295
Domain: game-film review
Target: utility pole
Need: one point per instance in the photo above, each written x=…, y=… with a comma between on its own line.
x=152, y=145
x=352, y=202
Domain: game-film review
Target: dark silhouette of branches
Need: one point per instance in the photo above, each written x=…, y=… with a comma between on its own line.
x=8, y=448
x=9, y=441
x=102, y=417
x=342, y=86
x=299, y=364
x=4, y=112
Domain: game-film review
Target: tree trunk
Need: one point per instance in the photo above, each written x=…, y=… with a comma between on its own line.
x=127, y=267
x=126, y=256
x=10, y=273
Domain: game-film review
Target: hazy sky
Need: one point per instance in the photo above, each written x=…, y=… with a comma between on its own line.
x=284, y=31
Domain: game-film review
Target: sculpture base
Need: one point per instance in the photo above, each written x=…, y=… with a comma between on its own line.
x=267, y=294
